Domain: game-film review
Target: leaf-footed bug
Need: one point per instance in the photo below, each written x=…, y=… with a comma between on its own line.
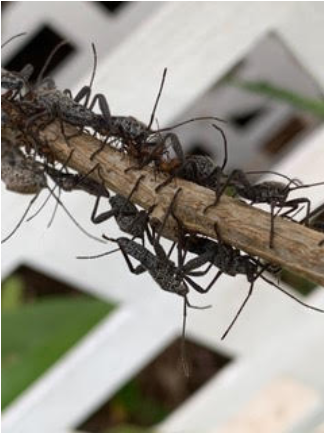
x=231, y=261
x=27, y=176
x=126, y=214
x=169, y=276
x=270, y=192
x=137, y=139
x=129, y=219
x=201, y=169
x=14, y=82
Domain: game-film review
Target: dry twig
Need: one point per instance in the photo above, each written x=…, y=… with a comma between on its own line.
x=295, y=246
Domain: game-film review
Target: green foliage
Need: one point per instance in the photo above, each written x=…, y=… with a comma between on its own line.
x=36, y=335
x=138, y=407
x=299, y=283
x=12, y=293
x=312, y=106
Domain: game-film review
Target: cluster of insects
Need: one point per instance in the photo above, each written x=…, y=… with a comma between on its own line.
x=28, y=167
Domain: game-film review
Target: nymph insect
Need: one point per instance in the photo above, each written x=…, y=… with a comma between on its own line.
x=231, y=261
x=273, y=193
x=24, y=175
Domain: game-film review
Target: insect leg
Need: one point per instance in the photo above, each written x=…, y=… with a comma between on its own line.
x=32, y=201
x=239, y=311
x=319, y=310
x=272, y=218
x=157, y=99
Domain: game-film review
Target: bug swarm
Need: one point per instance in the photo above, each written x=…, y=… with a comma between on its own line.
x=30, y=167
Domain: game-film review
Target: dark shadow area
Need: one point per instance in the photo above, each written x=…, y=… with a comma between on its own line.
x=196, y=148
x=113, y=7
x=282, y=138
x=158, y=389
x=39, y=285
x=245, y=119
x=37, y=50
x=5, y=5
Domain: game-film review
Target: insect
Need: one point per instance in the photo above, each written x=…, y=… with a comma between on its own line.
x=136, y=138
x=139, y=140
x=48, y=101
x=19, y=173
x=270, y=192
x=231, y=261
x=14, y=82
x=168, y=276
x=126, y=214
x=43, y=103
x=24, y=175
x=129, y=219
x=200, y=169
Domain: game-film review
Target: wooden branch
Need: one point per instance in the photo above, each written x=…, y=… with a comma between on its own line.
x=295, y=246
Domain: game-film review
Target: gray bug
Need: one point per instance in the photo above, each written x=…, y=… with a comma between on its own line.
x=24, y=175
x=134, y=137
x=168, y=276
x=273, y=193
x=15, y=82
x=47, y=103
x=232, y=262
x=201, y=169
x=43, y=103
x=128, y=218
x=20, y=173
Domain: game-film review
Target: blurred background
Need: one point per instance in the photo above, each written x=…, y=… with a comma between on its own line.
x=86, y=346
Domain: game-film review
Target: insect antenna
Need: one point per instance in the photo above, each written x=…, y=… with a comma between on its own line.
x=95, y=64
x=30, y=204
x=75, y=222
x=238, y=312
x=194, y=119
x=12, y=38
x=314, y=212
x=110, y=239
x=50, y=222
x=307, y=186
x=184, y=357
x=48, y=61
x=97, y=256
x=296, y=182
x=311, y=307
x=183, y=351
x=225, y=145
x=248, y=296
x=65, y=164
x=167, y=214
x=157, y=99
x=40, y=208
